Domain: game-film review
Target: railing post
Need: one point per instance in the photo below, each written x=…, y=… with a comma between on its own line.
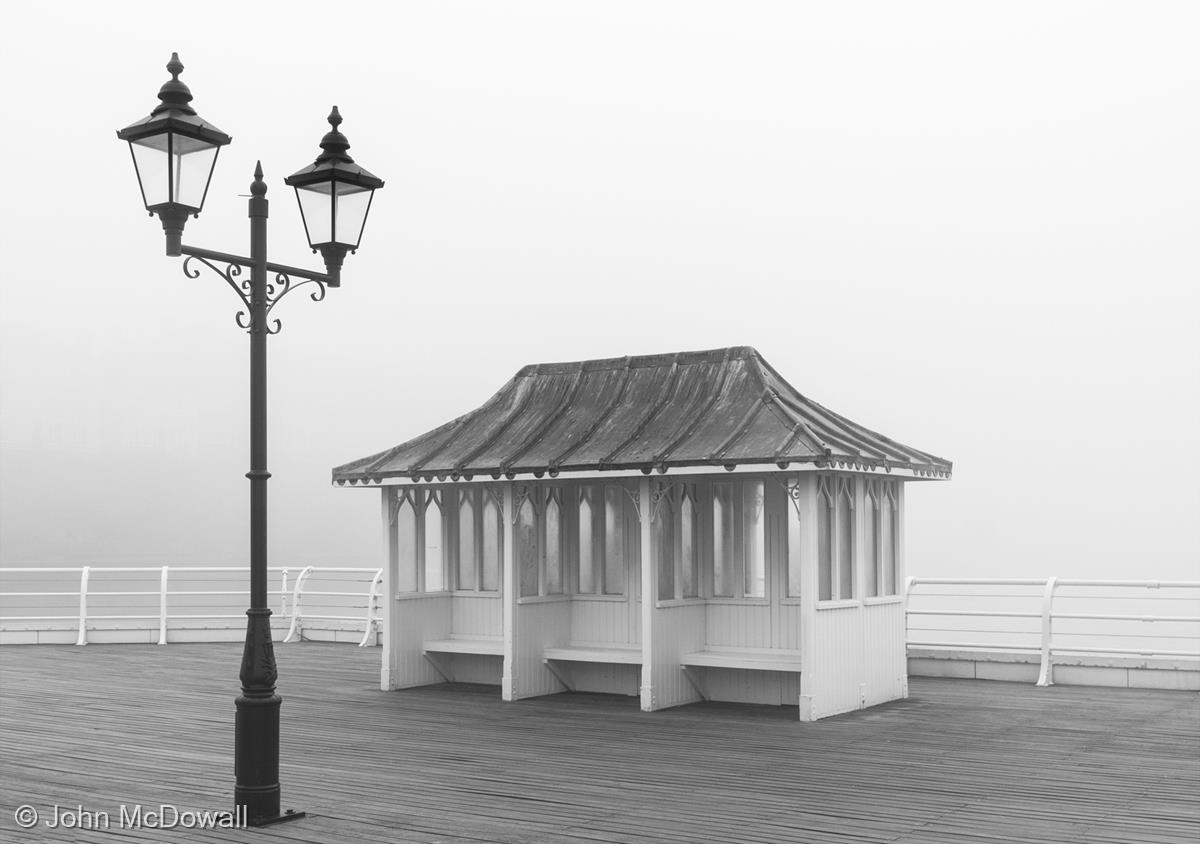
x=296, y=625
x=283, y=593
x=372, y=613
x=1046, y=674
x=162, y=607
x=83, y=587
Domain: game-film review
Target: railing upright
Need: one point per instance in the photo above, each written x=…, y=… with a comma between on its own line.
x=283, y=594
x=162, y=606
x=372, y=610
x=297, y=625
x=1046, y=673
x=83, y=590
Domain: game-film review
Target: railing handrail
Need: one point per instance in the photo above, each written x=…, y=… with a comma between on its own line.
x=1052, y=588
x=164, y=592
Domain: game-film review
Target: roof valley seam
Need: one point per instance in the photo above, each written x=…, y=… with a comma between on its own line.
x=740, y=430
x=689, y=425
x=668, y=394
x=626, y=377
x=493, y=435
x=548, y=423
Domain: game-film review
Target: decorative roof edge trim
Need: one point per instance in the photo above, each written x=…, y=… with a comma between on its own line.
x=834, y=464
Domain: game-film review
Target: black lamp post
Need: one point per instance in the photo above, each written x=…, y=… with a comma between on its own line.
x=174, y=153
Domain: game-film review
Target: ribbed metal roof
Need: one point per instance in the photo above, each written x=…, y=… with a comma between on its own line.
x=721, y=407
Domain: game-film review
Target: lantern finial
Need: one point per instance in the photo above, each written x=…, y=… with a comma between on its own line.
x=174, y=94
x=334, y=144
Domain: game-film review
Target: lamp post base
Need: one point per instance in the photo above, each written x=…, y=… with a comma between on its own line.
x=289, y=815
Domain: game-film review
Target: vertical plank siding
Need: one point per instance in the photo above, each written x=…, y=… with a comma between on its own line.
x=537, y=625
x=477, y=615
x=601, y=621
x=416, y=619
x=885, y=669
x=738, y=625
x=678, y=630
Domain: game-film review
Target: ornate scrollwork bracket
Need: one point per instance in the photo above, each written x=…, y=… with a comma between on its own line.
x=274, y=292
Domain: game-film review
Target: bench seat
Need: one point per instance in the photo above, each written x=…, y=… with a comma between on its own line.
x=621, y=654
x=466, y=645
x=756, y=659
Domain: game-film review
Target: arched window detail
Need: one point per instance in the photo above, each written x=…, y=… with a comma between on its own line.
x=723, y=561
x=406, y=543
x=663, y=518
x=467, y=571
x=890, y=536
x=614, y=540
x=845, y=537
x=871, y=559
x=434, y=568
x=527, y=548
x=587, y=574
x=552, y=552
x=754, y=521
x=825, y=536
x=687, y=542
x=492, y=525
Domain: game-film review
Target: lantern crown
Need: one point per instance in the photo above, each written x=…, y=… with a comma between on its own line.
x=334, y=164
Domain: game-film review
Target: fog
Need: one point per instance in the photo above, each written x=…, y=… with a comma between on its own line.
x=971, y=227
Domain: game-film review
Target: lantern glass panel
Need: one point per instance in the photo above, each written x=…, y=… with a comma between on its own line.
x=316, y=205
x=173, y=168
x=352, y=205
x=192, y=164
x=150, y=158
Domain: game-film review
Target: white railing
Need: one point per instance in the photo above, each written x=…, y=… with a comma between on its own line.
x=1056, y=618
x=184, y=598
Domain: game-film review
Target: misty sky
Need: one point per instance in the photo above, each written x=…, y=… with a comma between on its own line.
x=972, y=227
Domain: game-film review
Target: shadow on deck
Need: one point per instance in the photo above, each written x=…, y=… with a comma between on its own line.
x=960, y=760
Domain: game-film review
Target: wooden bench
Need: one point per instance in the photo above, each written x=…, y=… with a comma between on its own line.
x=610, y=654
x=466, y=645
x=621, y=654
x=754, y=659
x=475, y=645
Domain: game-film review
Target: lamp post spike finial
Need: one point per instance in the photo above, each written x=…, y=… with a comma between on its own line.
x=258, y=187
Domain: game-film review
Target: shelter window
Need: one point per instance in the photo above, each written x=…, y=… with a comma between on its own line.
x=723, y=564
x=755, y=526
x=467, y=572
x=552, y=583
x=614, y=540
x=835, y=537
x=492, y=526
x=586, y=583
x=527, y=547
x=664, y=522
x=434, y=568
x=792, y=548
x=845, y=537
x=687, y=542
x=406, y=544
x=872, y=559
x=890, y=537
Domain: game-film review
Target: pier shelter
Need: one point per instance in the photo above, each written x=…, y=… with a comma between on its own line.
x=678, y=527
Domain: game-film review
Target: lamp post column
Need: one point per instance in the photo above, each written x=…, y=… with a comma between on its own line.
x=256, y=751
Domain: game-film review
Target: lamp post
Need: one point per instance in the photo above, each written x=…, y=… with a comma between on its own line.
x=174, y=154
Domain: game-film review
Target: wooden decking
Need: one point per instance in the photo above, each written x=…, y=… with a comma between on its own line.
x=960, y=761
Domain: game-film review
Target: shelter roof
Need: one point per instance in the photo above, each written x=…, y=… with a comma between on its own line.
x=720, y=408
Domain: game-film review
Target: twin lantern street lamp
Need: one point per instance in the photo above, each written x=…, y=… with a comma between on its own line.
x=174, y=154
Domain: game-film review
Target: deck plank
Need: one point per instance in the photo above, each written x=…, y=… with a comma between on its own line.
x=959, y=761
